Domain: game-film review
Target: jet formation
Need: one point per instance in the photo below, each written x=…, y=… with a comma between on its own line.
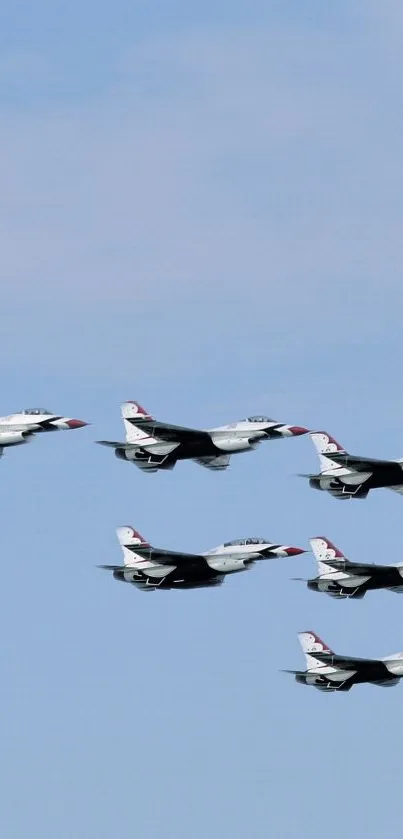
x=153, y=445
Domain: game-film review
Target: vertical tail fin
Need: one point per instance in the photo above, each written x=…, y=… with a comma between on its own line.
x=325, y=445
x=131, y=412
x=311, y=643
x=129, y=540
x=324, y=552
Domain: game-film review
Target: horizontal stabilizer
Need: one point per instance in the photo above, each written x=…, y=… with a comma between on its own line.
x=113, y=567
x=304, y=475
x=116, y=445
x=293, y=672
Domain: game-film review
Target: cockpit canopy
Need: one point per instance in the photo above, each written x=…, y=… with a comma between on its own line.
x=36, y=412
x=253, y=540
x=259, y=419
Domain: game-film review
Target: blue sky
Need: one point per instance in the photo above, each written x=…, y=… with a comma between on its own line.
x=201, y=208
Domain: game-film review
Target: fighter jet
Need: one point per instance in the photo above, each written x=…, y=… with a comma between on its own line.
x=151, y=568
x=154, y=445
x=339, y=577
x=328, y=671
x=345, y=475
x=20, y=428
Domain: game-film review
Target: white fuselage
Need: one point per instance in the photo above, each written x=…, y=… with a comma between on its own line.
x=239, y=436
x=16, y=429
x=229, y=560
x=234, y=437
x=34, y=423
x=23, y=421
x=224, y=559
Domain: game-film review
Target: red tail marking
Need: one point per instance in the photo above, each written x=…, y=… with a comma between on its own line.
x=319, y=641
x=138, y=535
x=330, y=545
x=140, y=409
x=339, y=447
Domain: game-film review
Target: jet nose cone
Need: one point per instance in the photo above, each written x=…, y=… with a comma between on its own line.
x=75, y=423
x=293, y=551
x=296, y=430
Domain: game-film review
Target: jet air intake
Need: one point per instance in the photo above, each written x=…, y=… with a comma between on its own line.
x=121, y=454
x=233, y=444
x=13, y=438
x=228, y=565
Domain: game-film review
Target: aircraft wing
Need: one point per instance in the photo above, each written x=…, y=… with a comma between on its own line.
x=293, y=672
x=360, y=464
x=172, y=433
x=370, y=570
x=359, y=568
x=165, y=557
x=114, y=444
x=215, y=463
x=115, y=567
x=371, y=667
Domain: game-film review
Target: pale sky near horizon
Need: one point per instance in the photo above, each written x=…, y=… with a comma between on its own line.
x=201, y=208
